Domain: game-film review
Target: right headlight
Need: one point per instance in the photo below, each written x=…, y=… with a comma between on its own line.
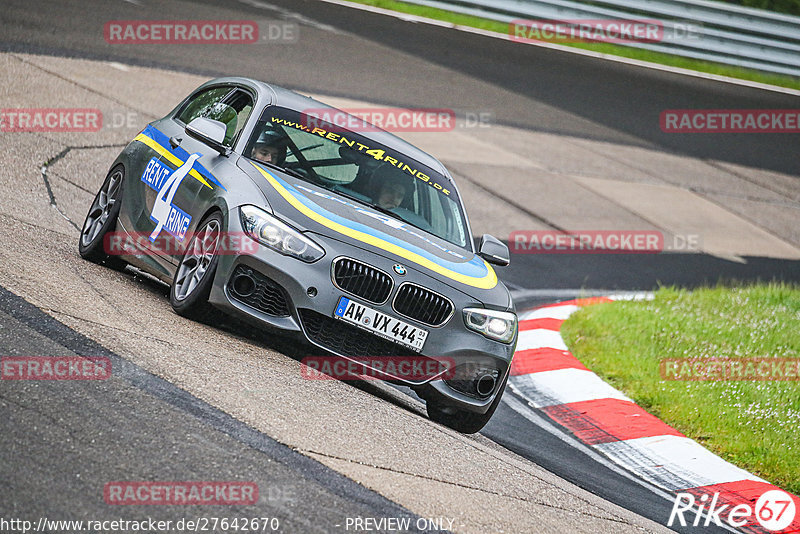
x=279, y=236
x=497, y=325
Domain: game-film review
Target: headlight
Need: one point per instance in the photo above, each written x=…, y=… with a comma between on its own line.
x=269, y=231
x=501, y=326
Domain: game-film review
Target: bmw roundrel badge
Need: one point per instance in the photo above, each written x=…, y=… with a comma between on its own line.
x=399, y=269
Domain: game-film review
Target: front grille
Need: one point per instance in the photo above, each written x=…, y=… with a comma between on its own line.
x=263, y=294
x=342, y=338
x=362, y=280
x=422, y=304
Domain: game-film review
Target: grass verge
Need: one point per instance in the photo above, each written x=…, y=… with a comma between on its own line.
x=708, y=67
x=752, y=424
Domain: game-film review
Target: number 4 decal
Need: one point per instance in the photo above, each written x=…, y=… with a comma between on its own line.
x=164, y=196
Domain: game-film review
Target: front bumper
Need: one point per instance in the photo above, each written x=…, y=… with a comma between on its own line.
x=300, y=298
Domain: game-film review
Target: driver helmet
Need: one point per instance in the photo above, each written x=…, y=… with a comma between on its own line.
x=276, y=140
x=391, y=186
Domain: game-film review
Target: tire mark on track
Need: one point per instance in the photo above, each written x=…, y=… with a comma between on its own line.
x=82, y=86
x=523, y=208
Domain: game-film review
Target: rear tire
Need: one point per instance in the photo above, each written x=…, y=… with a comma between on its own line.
x=102, y=219
x=462, y=420
x=194, y=277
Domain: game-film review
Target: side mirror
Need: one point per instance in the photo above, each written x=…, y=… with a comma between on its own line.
x=210, y=132
x=494, y=251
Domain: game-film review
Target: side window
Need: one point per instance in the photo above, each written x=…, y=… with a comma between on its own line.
x=201, y=104
x=242, y=104
x=228, y=105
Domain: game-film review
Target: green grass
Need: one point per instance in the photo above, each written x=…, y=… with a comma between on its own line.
x=604, y=48
x=753, y=424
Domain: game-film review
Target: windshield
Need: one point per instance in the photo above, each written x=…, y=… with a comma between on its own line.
x=359, y=168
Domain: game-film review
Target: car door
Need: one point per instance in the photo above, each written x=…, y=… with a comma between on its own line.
x=182, y=180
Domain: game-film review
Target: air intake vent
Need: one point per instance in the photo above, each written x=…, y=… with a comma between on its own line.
x=258, y=291
x=422, y=304
x=362, y=280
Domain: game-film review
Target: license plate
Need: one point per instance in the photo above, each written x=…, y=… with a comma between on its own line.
x=380, y=324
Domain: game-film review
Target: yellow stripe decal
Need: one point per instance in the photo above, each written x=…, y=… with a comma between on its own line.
x=488, y=281
x=142, y=138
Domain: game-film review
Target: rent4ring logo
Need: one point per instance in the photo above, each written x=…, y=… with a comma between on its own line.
x=165, y=214
x=774, y=511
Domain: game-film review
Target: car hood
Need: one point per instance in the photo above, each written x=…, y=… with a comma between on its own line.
x=314, y=209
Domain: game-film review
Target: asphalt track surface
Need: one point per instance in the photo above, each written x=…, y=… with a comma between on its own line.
x=78, y=438
x=382, y=60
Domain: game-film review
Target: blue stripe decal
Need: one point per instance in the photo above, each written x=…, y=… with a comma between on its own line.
x=179, y=152
x=474, y=268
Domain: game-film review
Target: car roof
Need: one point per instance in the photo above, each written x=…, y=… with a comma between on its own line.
x=270, y=94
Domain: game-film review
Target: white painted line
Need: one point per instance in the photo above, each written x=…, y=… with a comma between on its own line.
x=550, y=312
x=562, y=386
x=118, y=66
x=640, y=295
x=292, y=15
x=673, y=462
x=568, y=49
x=539, y=339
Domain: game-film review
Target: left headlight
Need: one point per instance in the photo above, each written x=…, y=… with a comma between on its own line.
x=497, y=325
x=279, y=236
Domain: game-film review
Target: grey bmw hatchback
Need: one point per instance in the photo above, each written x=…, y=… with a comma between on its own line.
x=346, y=236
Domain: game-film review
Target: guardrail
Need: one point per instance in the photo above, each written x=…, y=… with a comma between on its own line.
x=698, y=29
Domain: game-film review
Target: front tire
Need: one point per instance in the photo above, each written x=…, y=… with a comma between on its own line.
x=102, y=219
x=462, y=420
x=194, y=277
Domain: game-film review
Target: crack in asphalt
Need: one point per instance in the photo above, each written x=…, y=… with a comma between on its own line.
x=53, y=422
x=55, y=159
x=209, y=353
x=53, y=201
x=70, y=182
x=109, y=327
x=465, y=486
